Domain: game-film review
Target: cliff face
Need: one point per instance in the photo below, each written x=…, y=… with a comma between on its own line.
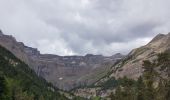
x=18, y=82
x=131, y=65
x=65, y=72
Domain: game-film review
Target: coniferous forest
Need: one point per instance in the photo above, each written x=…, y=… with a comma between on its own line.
x=19, y=82
x=154, y=84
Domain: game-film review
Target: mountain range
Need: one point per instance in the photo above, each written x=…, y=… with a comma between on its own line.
x=64, y=72
x=86, y=76
x=130, y=66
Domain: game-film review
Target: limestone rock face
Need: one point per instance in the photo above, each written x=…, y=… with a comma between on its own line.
x=131, y=65
x=65, y=72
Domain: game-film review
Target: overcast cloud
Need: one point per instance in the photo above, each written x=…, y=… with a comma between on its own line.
x=69, y=27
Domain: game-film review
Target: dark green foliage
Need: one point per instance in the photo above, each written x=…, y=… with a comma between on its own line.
x=111, y=83
x=149, y=76
x=2, y=85
x=3, y=88
x=140, y=89
x=125, y=89
x=164, y=62
x=19, y=82
x=167, y=89
x=152, y=85
x=118, y=93
x=126, y=82
x=160, y=91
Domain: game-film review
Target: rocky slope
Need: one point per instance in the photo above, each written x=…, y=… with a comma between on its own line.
x=131, y=65
x=64, y=72
x=19, y=82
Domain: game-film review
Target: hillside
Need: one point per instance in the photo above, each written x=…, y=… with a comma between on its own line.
x=131, y=65
x=19, y=82
x=130, y=68
x=64, y=72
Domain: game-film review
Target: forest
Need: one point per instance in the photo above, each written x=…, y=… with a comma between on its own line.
x=154, y=84
x=19, y=82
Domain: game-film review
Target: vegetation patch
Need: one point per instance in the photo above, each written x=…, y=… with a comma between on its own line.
x=19, y=82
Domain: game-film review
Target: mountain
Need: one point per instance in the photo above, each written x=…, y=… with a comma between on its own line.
x=128, y=69
x=86, y=76
x=64, y=72
x=19, y=82
x=131, y=65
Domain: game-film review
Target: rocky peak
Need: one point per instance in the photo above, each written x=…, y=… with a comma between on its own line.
x=157, y=37
x=160, y=43
x=131, y=65
x=160, y=38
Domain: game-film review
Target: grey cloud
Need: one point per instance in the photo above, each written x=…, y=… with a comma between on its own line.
x=84, y=26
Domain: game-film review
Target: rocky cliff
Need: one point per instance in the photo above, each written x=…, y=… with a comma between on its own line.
x=64, y=72
x=131, y=65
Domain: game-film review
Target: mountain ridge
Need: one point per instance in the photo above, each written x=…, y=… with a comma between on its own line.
x=95, y=71
x=64, y=72
x=131, y=66
x=19, y=82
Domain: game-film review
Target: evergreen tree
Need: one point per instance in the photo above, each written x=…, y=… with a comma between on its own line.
x=164, y=63
x=3, y=88
x=140, y=89
x=161, y=91
x=149, y=76
x=118, y=93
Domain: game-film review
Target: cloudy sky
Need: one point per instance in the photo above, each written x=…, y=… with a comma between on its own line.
x=69, y=27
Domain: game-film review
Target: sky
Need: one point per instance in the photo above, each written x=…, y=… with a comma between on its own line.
x=79, y=27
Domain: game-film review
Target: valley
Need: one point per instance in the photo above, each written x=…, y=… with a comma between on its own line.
x=94, y=77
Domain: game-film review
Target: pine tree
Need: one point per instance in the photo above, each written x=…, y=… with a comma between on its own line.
x=149, y=76
x=161, y=91
x=118, y=93
x=2, y=87
x=140, y=89
x=164, y=63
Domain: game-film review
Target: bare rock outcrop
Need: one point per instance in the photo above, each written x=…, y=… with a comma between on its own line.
x=131, y=65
